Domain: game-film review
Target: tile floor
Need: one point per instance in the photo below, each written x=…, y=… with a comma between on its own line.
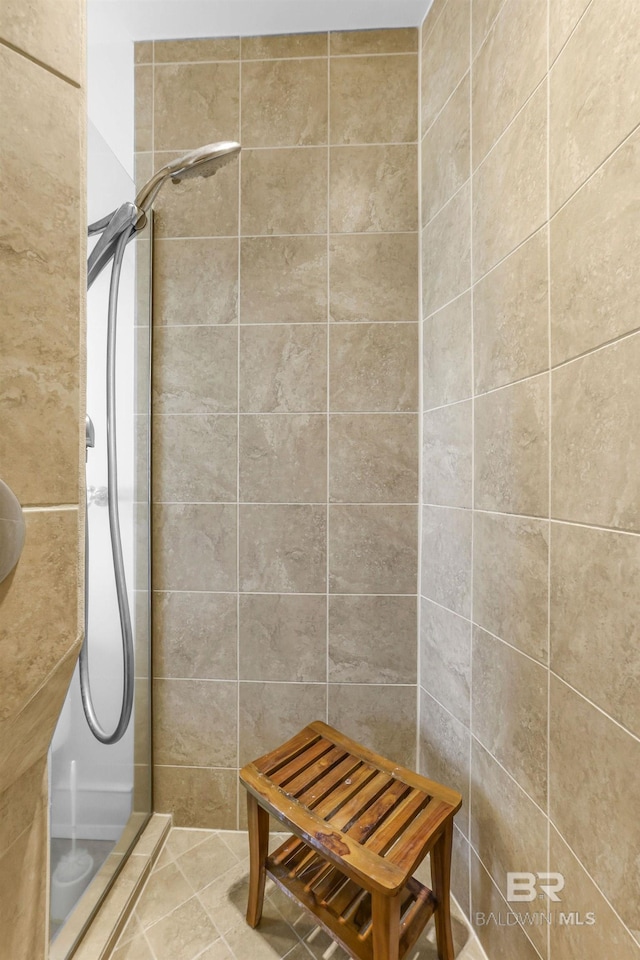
x=192, y=908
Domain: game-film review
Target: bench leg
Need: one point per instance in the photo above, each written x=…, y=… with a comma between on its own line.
x=258, y=820
x=441, y=880
x=385, y=916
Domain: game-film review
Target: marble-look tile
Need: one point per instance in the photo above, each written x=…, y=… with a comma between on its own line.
x=195, y=370
x=374, y=277
x=201, y=207
x=283, y=459
x=190, y=51
x=509, y=66
x=446, y=354
x=190, y=100
x=136, y=949
x=446, y=253
x=274, y=712
x=595, y=402
x=284, y=191
x=595, y=241
x=382, y=717
x=205, y=862
x=40, y=269
x=143, y=93
x=511, y=317
x=372, y=639
x=443, y=749
x=373, y=189
x=374, y=99
x=446, y=152
x=281, y=46
x=373, y=367
x=50, y=35
x=195, y=281
x=283, y=279
x=563, y=18
x=183, y=934
x=584, y=740
x=510, y=574
x=283, y=548
x=372, y=548
x=445, y=658
x=283, y=637
x=501, y=942
x=23, y=889
x=225, y=899
x=447, y=448
x=195, y=458
x=593, y=95
x=194, y=546
x=284, y=103
x=512, y=448
x=446, y=558
x=143, y=51
x=483, y=14
x=445, y=58
x=516, y=734
x=181, y=839
x=373, y=458
x=358, y=42
x=594, y=600
x=283, y=369
x=510, y=187
x=165, y=890
x=196, y=796
x=195, y=723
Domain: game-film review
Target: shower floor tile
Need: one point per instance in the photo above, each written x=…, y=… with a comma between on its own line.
x=193, y=908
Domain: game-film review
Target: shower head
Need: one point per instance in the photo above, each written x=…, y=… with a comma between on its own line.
x=203, y=162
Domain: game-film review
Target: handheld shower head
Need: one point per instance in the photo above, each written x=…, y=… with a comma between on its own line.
x=203, y=162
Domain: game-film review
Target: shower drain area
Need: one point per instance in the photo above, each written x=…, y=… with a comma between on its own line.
x=194, y=902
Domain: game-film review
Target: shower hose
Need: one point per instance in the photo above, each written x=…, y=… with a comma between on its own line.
x=116, y=229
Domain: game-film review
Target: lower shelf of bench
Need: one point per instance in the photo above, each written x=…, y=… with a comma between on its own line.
x=341, y=906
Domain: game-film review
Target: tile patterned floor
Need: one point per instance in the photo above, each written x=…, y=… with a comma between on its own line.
x=192, y=908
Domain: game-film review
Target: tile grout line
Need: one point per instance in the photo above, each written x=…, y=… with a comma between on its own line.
x=238, y=431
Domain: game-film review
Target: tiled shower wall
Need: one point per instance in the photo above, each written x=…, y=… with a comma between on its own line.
x=285, y=431
x=530, y=653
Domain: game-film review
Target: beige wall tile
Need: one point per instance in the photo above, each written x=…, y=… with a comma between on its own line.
x=446, y=558
x=382, y=717
x=350, y=42
x=446, y=152
x=373, y=189
x=374, y=277
x=284, y=191
x=143, y=80
x=283, y=637
x=20, y=803
x=445, y=658
x=283, y=369
x=460, y=882
x=188, y=51
x=50, y=35
x=443, y=749
x=516, y=734
x=563, y=17
x=23, y=889
x=594, y=102
x=510, y=187
x=195, y=722
x=197, y=796
x=511, y=317
x=284, y=45
x=595, y=241
x=447, y=447
x=191, y=100
x=194, y=635
x=373, y=458
x=283, y=279
x=274, y=712
x=373, y=367
x=372, y=549
x=510, y=573
x=512, y=448
x=195, y=281
x=501, y=942
x=483, y=13
x=583, y=740
x=202, y=207
x=372, y=639
x=283, y=548
x=445, y=58
x=143, y=51
x=509, y=66
x=194, y=546
x=40, y=275
x=446, y=253
x=195, y=459
x=594, y=475
x=283, y=459
x=595, y=613
x=194, y=370
x=433, y=14
x=284, y=103
x=446, y=354
x=374, y=99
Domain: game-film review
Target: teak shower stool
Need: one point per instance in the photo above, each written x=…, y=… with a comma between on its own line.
x=361, y=827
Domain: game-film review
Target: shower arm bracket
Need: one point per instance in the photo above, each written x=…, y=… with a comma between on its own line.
x=127, y=218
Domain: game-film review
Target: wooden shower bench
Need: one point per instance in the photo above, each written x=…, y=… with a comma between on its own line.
x=361, y=827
